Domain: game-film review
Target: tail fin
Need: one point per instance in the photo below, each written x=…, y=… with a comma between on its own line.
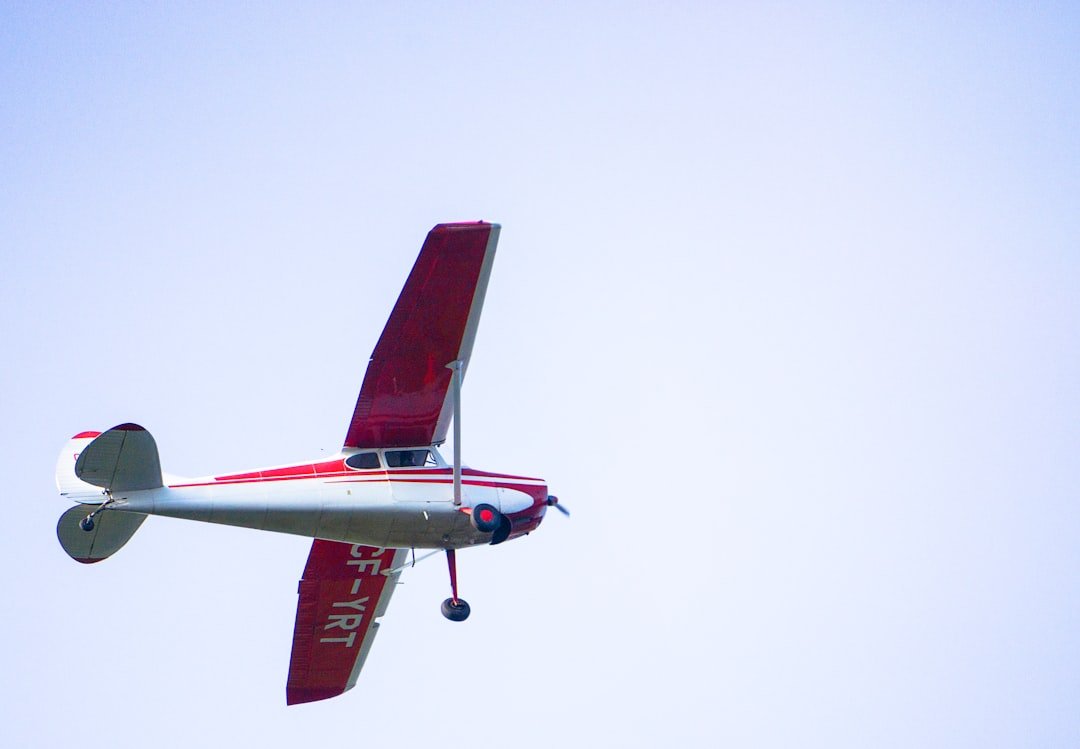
x=110, y=531
x=67, y=483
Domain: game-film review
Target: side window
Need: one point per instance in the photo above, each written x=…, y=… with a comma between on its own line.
x=363, y=460
x=409, y=458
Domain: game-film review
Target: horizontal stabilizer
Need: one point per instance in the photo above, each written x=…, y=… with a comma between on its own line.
x=110, y=532
x=125, y=458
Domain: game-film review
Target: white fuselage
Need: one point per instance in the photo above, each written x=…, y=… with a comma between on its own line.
x=402, y=508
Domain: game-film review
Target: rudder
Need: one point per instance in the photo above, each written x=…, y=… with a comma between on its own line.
x=67, y=483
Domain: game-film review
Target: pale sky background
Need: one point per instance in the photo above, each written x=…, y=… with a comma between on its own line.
x=786, y=310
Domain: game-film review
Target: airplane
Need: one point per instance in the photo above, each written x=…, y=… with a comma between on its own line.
x=387, y=493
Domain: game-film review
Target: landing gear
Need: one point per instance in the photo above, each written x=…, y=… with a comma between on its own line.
x=453, y=608
x=455, y=611
x=87, y=523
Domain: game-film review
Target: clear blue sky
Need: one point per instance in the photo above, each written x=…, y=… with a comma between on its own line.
x=785, y=309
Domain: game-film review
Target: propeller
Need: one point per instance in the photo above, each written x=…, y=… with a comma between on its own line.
x=553, y=501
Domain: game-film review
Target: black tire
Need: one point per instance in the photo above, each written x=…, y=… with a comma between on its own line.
x=486, y=518
x=87, y=524
x=455, y=611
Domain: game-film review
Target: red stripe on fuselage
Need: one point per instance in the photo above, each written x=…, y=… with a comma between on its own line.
x=352, y=478
x=336, y=468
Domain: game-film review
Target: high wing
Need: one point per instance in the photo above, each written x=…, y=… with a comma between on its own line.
x=345, y=588
x=403, y=400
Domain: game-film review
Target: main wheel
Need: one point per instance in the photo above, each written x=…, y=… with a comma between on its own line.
x=455, y=611
x=87, y=524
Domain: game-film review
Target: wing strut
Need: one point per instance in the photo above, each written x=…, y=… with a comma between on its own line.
x=455, y=366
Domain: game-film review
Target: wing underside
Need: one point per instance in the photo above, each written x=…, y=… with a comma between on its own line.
x=344, y=590
x=403, y=400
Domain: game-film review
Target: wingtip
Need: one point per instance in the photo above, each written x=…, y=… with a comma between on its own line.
x=300, y=695
x=464, y=225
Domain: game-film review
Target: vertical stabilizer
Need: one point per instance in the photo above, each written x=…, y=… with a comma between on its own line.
x=67, y=483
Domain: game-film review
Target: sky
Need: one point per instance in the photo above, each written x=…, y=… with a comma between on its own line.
x=785, y=309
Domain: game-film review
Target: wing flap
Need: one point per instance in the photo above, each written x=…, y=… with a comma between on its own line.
x=345, y=588
x=403, y=400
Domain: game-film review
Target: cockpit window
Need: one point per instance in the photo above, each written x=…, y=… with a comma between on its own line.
x=409, y=458
x=363, y=460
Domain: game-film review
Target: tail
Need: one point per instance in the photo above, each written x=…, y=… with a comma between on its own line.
x=92, y=466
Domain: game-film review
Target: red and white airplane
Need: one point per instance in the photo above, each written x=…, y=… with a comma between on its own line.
x=387, y=492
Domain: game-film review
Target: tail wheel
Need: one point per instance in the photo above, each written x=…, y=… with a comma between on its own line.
x=456, y=610
x=486, y=518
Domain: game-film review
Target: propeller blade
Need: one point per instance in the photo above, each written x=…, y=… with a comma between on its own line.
x=553, y=501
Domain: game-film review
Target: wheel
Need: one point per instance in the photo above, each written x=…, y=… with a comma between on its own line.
x=486, y=518
x=455, y=611
x=87, y=524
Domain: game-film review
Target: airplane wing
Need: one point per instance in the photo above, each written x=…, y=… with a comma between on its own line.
x=404, y=399
x=345, y=588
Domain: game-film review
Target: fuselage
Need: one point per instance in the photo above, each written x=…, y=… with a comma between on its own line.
x=390, y=498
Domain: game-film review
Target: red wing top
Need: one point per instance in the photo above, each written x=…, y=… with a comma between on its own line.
x=404, y=399
x=345, y=588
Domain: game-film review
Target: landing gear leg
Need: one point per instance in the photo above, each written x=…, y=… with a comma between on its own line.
x=87, y=523
x=455, y=609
